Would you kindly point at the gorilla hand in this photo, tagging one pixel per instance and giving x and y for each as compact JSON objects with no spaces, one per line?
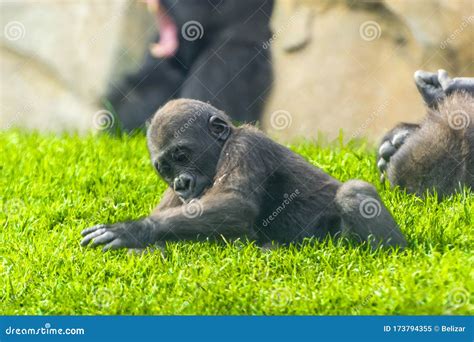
{"x":391,"y":143}
{"x":137,"y":234}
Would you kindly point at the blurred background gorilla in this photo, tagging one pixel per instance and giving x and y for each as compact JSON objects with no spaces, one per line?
{"x":211,"y":50}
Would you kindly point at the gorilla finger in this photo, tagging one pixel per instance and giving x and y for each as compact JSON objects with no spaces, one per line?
{"x":92,"y":229}
{"x":115,"y":244}
{"x":428,"y":85}
{"x":103,"y":239}
{"x":399,"y":138}
{"x":444,"y":79}
{"x":387,"y":150}
{"x":92,"y":235}
{"x":423,"y":78}
{"x":465,"y":84}
{"x":382,"y":165}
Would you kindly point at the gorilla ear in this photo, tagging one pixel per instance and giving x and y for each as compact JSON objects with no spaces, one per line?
{"x":219,"y":128}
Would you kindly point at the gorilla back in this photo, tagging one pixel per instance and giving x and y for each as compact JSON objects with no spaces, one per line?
{"x":234,"y":181}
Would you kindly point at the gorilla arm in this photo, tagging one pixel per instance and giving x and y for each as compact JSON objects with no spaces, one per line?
{"x":225,"y":214}
{"x":222,"y":211}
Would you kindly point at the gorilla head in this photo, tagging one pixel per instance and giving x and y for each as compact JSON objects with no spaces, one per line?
{"x":185,"y":140}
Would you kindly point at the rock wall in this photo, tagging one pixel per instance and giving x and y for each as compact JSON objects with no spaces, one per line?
{"x":57,"y":59}
{"x":338,"y":64}
{"x":353,"y":68}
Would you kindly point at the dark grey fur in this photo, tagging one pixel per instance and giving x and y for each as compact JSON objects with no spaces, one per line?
{"x":241,"y":183}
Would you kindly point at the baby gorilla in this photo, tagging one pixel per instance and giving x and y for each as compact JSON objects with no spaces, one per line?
{"x":232,"y":182}
{"x":436,"y":154}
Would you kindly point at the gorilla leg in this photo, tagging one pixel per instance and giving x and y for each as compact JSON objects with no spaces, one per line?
{"x":142,"y":93}
{"x":365,"y":216}
{"x":232,"y":77}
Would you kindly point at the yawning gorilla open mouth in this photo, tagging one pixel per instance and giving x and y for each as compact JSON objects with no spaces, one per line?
{"x":169,"y":42}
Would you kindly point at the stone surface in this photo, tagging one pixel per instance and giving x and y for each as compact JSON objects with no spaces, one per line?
{"x":57,"y":59}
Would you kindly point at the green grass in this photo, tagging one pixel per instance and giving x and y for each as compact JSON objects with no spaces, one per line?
{"x":53,"y":187}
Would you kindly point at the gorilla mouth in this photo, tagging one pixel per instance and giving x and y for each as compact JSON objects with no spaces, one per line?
{"x":188,"y":187}
{"x":168,"y":44}
{"x":188,"y":196}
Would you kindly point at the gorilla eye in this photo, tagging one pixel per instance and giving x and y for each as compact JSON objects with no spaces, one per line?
{"x":163,"y":168}
{"x":179,"y":156}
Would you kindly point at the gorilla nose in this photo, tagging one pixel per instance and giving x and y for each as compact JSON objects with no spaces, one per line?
{"x":184,"y":185}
